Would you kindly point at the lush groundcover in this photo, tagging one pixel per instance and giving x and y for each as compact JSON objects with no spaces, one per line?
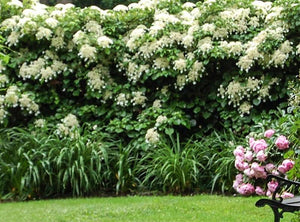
{"x":150,"y":97}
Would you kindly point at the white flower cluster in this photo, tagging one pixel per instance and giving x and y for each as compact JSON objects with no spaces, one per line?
{"x":152,"y":136}
{"x":240,"y":93}
{"x":69,"y":127}
{"x":15,"y":3}
{"x":3,"y":80}
{"x":40,"y":123}
{"x":96,"y":78}
{"x":14,"y":98}
{"x":138,"y":99}
{"x":160,"y":120}
{"x":122,"y":99}
{"x":28,"y":104}
{"x":41,"y":69}
{"x":87,"y":52}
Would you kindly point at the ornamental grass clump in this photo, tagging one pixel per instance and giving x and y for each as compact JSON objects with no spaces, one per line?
{"x":260,"y":158}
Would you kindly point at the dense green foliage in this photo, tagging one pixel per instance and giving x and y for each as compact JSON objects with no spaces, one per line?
{"x":147,"y":97}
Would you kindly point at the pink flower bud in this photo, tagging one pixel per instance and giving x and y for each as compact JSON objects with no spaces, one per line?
{"x":272,"y":185}
{"x":246,"y":189}
{"x":259,"y":145}
{"x":259,"y":191}
{"x":239,"y":151}
{"x":248,"y":156}
{"x":282,"y":143}
{"x":269,"y":133}
{"x":261,"y":156}
{"x":270,"y":167}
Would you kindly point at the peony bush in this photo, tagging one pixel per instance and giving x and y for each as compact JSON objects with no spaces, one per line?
{"x":259,"y":158}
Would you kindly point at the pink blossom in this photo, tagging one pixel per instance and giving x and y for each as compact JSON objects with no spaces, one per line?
{"x":259,"y":171}
{"x":248,"y":156}
{"x":286,"y":195}
{"x":282,"y":143}
{"x":261,"y":156}
{"x":239,"y":178}
{"x":259,"y":191}
{"x":238,"y":181}
{"x":269,"y":133}
{"x":259,"y":145}
{"x":270,"y":167}
{"x":246,"y":189}
{"x":272,"y":185}
{"x":275,"y":173}
{"x":239,"y":151}
{"x":249,"y":173}
{"x":286,"y":166}
{"x":289,"y":164}
{"x":240,"y":165}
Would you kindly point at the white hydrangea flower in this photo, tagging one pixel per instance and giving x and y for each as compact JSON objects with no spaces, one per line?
{"x":157,"y":104}
{"x":11,"y":97}
{"x":70,"y":121}
{"x":58,"y":42}
{"x":51,"y":22}
{"x":207,"y":27}
{"x":160,"y":120}
{"x":152,"y":136}
{"x":87,"y":52}
{"x":161,"y":63}
{"x":138,"y":98}
{"x":15,"y":3}
{"x":43,"y":33}
{"x":245,"y":63}
{"x":180,"y":82}
{"x":120,"y":8}
{"x":180,"y":64}
{"x":3,"y":80}
{"x":122,"y":100}
{"x":13,"y":38}
{"x":78,"y":37}
{"x":10,"y":23}
{"x":104,"y":41}
{"x":40,"y":123}
{"x":245,"y":108}
{"x":188,"y":5}
{"x":94,"y":27}
{"x":204,"y":45}
{"x":47,"y":73}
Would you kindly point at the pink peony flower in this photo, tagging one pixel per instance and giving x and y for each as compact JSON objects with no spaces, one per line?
{"x":286,"y":166}
{"x":240,"y":165}
{"x":259,"y":171}
{"x":269,"y":133}
{"x":282,"y":143}
{"x":270,"y":167}
{"x":248,"y":156}
{"x":249,"y":173}
{"x":286,"y":195}
{"x":275,"y":172}
{"x":239,"y":151}
{"x":289,"y":164}
{"x":259,"y":145}
{"x":272,"y":185}
{"x":238,"y":181}
{"x":259,"y":191}
{"x":261,"y":156}
{"x":246,"y":189}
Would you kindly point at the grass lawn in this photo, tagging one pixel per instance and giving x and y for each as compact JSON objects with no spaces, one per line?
{"x":151,"y":208}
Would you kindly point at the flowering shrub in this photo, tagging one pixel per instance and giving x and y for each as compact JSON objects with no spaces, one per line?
{"x":259,"y":158}
{"x":204,"y":64}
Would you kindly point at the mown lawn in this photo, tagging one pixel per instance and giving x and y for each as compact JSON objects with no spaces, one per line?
{"x":135,"y":208}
